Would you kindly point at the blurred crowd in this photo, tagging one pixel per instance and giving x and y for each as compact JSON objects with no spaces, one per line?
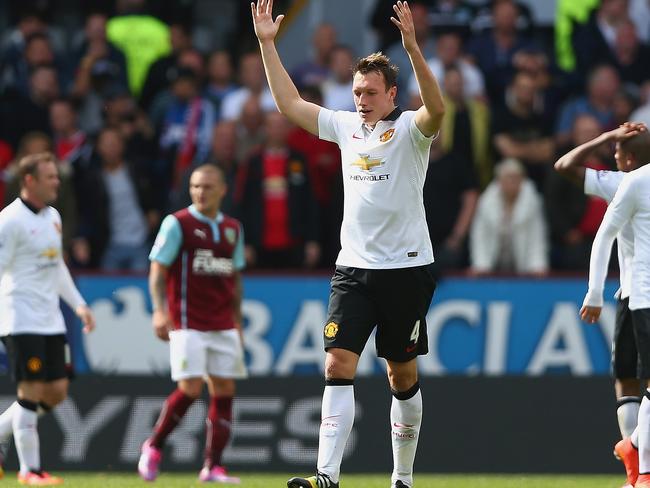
{"x":130,"y":104}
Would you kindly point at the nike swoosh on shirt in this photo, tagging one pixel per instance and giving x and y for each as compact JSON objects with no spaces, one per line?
{"x":354,"y":136}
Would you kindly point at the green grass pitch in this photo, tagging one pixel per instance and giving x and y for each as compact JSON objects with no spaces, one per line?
{"x":184,"y":480}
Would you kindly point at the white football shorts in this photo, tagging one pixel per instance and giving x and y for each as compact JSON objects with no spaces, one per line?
{"x":195,"y":353}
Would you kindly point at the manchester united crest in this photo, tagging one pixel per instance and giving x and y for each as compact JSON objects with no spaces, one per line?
{"x":386,"y":136}
{"x":331,"y":329}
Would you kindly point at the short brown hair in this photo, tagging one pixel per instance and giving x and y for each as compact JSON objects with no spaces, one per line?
{"x":29,"y":164}
{"x":379,"y":63}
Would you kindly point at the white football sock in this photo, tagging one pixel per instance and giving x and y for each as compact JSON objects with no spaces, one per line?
{"x":6,"y":420}
{"x":25,"y":423}
{"x":337,"y":417}
{"x":405,"y":420}
{"x":644,"y":435}
{"x":628,"y":414}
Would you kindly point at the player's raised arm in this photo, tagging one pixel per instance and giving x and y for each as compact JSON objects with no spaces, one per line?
{"x":428,"y":118}
{"x":285,"y":93}
{"x":571,"y":164}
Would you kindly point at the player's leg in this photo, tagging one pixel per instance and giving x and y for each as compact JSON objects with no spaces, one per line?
{"x":401,"y":337}
{"x":187,"y":357}
{"x":624,"y":366}
{"x":405,"y":419}
{"x":225,"y":364}
{"x":641,"y":321}
{"x":352,"y":316}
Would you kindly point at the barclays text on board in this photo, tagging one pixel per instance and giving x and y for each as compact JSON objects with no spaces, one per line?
{"x":486,"y":326}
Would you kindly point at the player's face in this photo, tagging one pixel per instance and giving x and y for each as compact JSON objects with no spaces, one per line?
{"x":624,"y":160}
{"x":45,"y":184}
{"x":207,"y":190}
{"x":371,"y":98}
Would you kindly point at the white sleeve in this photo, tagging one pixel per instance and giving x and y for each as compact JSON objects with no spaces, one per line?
{"x":418,"y":138}
{"x":602,"y":184}
{"x":328,"y":125}
{"x":619,"y":212}
{"x":67,"y":289}
{"x":8,"y":243}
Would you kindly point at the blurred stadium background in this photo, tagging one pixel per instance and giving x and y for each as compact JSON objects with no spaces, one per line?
{"x":513,"y":381}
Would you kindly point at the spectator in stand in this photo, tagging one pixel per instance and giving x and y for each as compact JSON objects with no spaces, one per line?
{"x":118,"y":215}
{"x":37,"y":52}
{"x":159,"y":74}
{"x":466,"y":127}
{"x":451,"y":15}
{"x":573,"y":216}
{"x":324,"y":160}
{"x":316,"y":70}
{"x":276,"y":204}
{"x":23,"y":114}
{"x":508,"y":234}
{"x":189,"y":59}
{"x":642,"y":112}
{"x":493,"y":51}
{"x":522,"y":130}
{"x":625,"y":101}
{"x":69,"y":140}
{"x":253,"y":81}
{"x":250,"y":128}
{"x":122,"y":112}
{"x":398,"y":55}
{"x":220,"y":80}
{"x":603,"y":84}
{"x":13,"y":49}
{"x":594,"y":42}
{"x":141,"y":37}
{"x":451,"y":192}
{"x":449,"y":50}
{"x":224,"y":155}
{"x":630,"y":55}
{"x":338,"y":86}
{"x":484,"y":17}
{"x":186,"y":133}
{"x":639,"y":13}
{"x":93,"y":47}
{"x":551,"y":84}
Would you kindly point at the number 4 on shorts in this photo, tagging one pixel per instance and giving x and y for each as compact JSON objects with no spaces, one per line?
{"x":415,"y":333}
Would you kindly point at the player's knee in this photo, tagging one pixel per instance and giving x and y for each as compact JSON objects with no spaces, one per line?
{"x":340,"y":364}
{"x":191,"y":388}
{"x":401,"y":380}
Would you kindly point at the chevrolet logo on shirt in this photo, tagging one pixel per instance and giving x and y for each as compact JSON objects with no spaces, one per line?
{"x":50,"y":253}
{"x":366,"y":164}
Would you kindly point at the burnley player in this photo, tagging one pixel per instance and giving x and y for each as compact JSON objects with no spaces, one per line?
{"x":196,"y":292}
{"x":382,"y":278}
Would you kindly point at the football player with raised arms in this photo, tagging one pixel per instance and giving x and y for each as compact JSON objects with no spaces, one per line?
{"x":382,"y":276}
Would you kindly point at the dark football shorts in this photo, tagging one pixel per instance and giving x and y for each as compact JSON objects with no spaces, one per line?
{"x":639,"y":366}
{"x":36,"y":357}
{"x":396,"y":301}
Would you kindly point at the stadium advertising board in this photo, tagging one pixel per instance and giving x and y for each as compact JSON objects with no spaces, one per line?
{"x":471,"y":424}
{"x":476,"y":327}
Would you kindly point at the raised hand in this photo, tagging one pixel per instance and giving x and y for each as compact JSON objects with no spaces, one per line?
{"x":405,"y":25}
{"x":265,"y":28}
{"x":626,"y":131}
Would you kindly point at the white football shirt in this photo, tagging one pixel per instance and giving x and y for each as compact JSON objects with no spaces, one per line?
{"x":384,"y":223}
{"x":604,"y":184}
{"x":33,"y":272}
{"x":631,"y":204}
